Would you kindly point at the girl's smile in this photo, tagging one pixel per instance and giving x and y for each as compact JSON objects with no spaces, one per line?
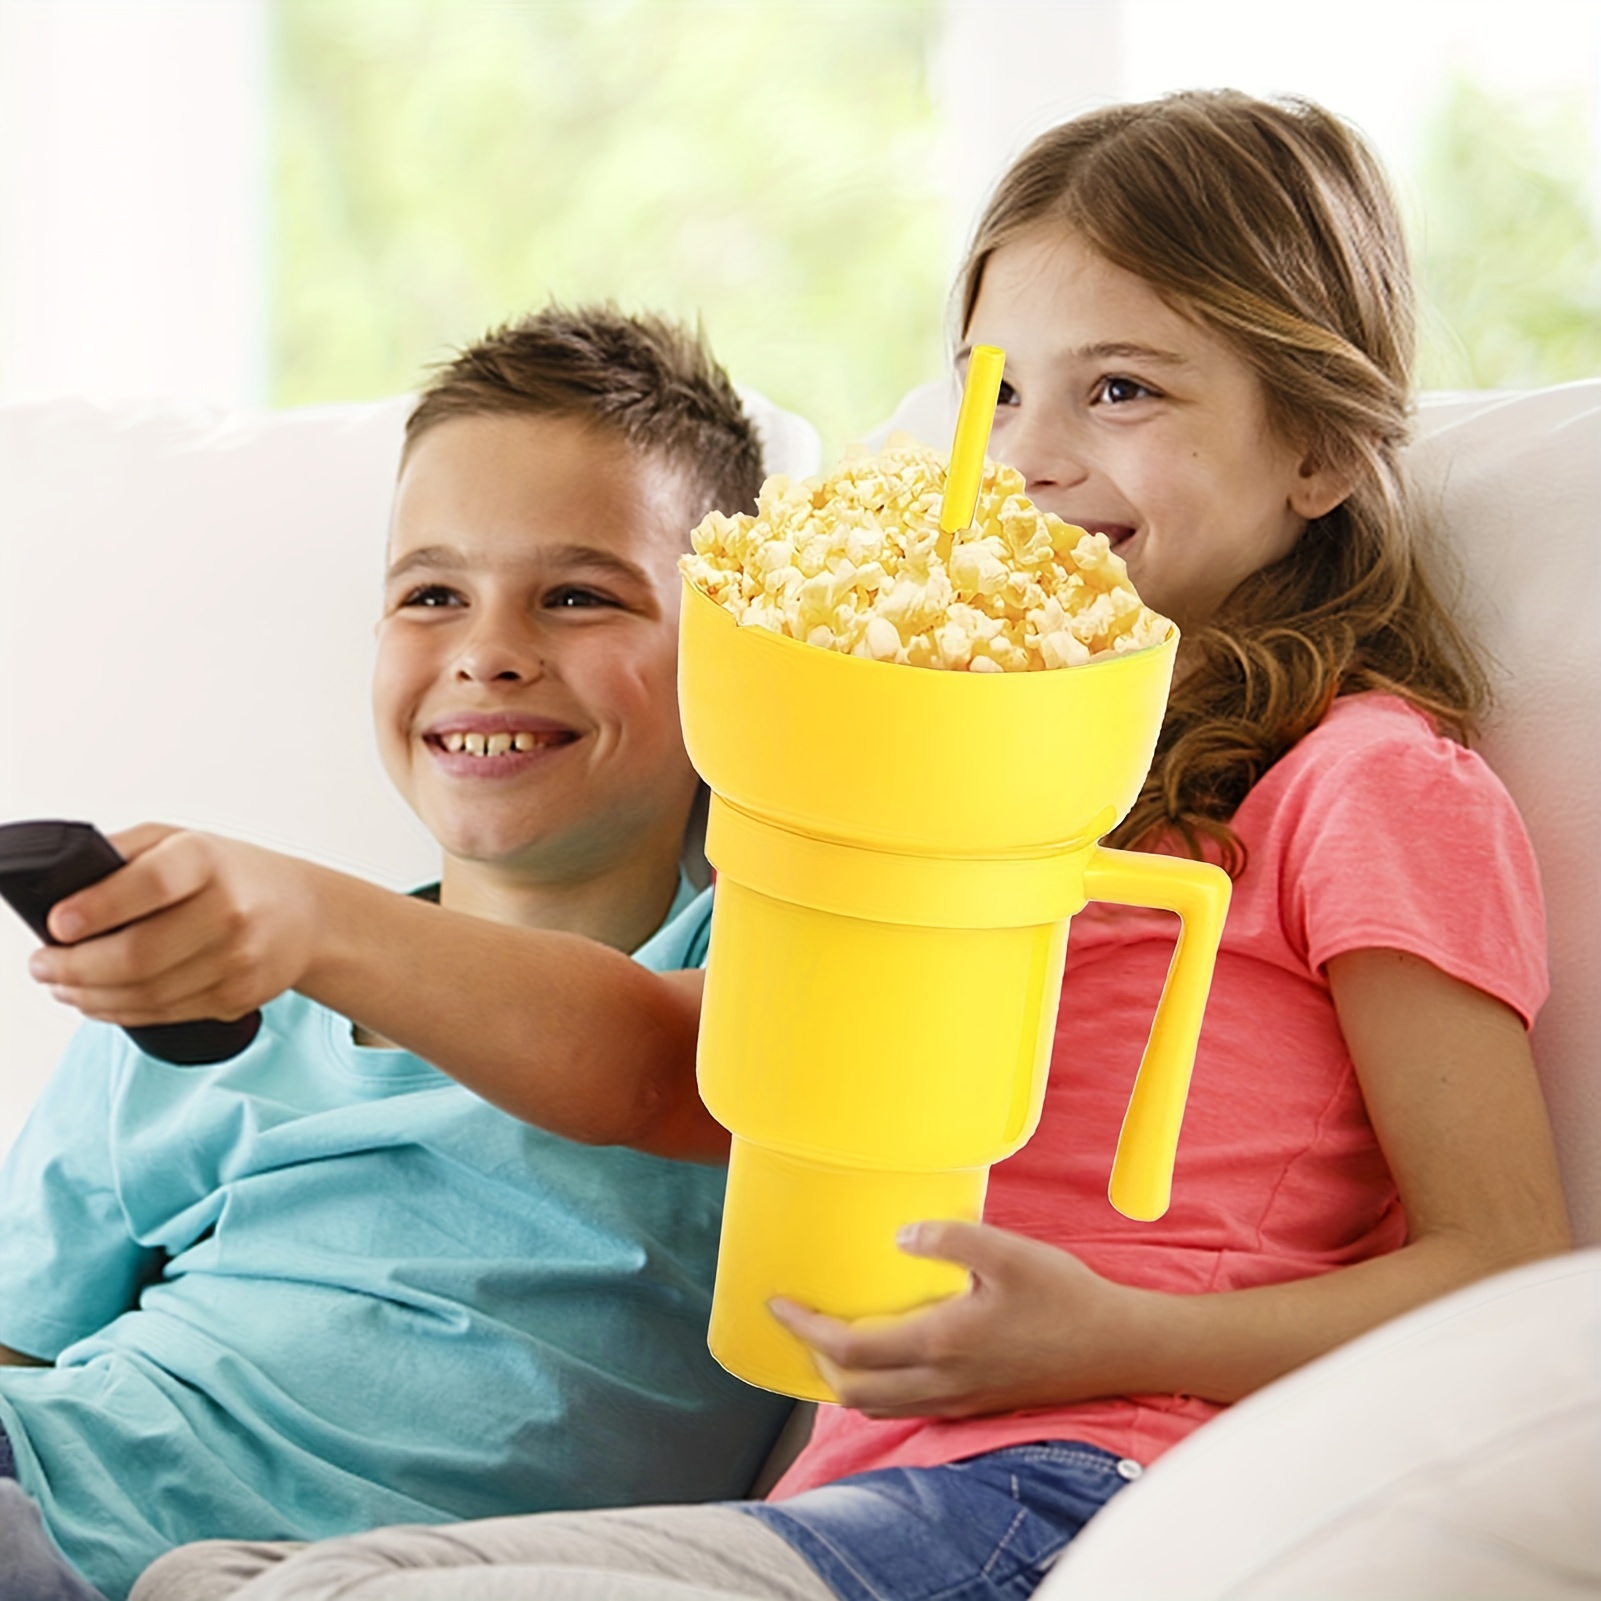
{"x":1127,"y":418}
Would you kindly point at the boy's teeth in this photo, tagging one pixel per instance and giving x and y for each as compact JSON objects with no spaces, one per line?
{"x":477,"y":744}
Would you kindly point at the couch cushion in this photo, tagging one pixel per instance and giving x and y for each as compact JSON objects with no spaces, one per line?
{"x":1512,"y":485}
{"x":1454,"y":1452}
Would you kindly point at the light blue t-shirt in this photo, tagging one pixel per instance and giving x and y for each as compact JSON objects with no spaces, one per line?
{"x":321,"y":1287}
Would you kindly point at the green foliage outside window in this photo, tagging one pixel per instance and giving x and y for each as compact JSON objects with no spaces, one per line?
{"x":769,"y":167}
{"x":764,"y":165}
{"x":1509,"y":243}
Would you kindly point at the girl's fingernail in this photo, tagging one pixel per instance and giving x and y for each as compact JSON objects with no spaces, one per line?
{"x":66,"y":926}
{"x":907,"y":1236}
{"x":39,"y":967}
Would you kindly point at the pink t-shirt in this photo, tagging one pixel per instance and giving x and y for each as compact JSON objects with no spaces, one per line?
{"x":1373,"y":832}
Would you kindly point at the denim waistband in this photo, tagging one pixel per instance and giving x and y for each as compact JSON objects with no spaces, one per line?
{"x":986,"y":1528}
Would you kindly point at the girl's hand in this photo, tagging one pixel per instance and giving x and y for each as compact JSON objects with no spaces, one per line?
{"x":1035,"y":1328}
{"x":193,"y":926}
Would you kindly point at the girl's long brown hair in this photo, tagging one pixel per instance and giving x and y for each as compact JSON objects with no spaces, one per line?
{"x":1271,"y":223}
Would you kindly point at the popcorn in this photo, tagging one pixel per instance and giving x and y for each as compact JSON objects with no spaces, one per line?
{"x":856,"y":562}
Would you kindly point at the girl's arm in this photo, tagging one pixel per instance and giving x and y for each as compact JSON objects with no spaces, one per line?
{"x":1451,"y":1090}
{"x":555,"y":1028}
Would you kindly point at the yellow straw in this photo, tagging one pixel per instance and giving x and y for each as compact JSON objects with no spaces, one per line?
{"x":973,"y":421}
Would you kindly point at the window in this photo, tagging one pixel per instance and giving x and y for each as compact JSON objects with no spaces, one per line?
{"x":292,"y":201}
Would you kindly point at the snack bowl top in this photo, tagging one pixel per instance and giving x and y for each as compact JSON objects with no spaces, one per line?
{"x":912,"y":759}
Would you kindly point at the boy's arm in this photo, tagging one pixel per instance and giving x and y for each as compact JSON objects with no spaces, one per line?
{"x":1451,"y":1090}
{"x":557,"y":1029}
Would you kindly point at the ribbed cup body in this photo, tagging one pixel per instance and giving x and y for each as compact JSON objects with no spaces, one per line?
{"x":898,"y":853}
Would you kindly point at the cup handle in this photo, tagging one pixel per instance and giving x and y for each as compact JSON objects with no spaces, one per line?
{"x":1142,"y":1171}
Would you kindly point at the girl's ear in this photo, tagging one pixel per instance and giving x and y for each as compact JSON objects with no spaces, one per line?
{"x":1319,"y":487}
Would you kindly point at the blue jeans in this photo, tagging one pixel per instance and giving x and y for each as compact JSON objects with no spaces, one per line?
{"x":984,"y":1529}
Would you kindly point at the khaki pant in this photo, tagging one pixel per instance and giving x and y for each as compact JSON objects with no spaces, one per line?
{"x":673,"y":1553}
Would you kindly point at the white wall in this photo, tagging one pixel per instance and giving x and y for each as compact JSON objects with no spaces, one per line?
{"x":134,"y":142}
{"x":1381,"y":63}
{"x":1007,"y":70}
{"x":132,"y":198}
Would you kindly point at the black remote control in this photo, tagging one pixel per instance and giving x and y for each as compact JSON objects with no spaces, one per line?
{"x":44,"y":862}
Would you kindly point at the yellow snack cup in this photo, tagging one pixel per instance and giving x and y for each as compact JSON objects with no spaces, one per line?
{"x":898,"y":852}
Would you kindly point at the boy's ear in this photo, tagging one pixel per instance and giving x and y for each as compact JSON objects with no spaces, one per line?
{"x":1319,"y":487}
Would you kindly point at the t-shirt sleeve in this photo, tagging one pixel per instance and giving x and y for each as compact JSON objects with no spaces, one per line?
{"x":1410,"y":842}
{"x":69,"y":1262}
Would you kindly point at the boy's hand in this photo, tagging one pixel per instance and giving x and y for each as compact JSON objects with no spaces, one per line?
{"x":193,"y":926}
{"x":1035,"y":1328}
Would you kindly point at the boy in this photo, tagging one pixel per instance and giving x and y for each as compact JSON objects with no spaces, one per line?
{"x":323,"y":1286}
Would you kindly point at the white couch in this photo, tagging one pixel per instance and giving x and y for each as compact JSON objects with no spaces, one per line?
{"x":1451,"y":1454}
{"x":185,"y":609}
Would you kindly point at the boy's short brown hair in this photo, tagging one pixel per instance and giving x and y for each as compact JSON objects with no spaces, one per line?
{"x":645,"y":379}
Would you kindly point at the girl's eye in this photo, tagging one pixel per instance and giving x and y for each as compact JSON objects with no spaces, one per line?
{"x":1115,"y":391}
{"x":1006,"y":396}
{"x":431,"y":595}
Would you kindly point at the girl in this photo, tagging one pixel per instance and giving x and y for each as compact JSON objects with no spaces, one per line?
{"x":1207,"y":317}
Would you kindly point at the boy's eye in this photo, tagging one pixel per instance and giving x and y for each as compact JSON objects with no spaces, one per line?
{"x":1006,"y":395}
{"x":1115,"y":391}
{"x":576,"y":597}
{"x":431,"y":595}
